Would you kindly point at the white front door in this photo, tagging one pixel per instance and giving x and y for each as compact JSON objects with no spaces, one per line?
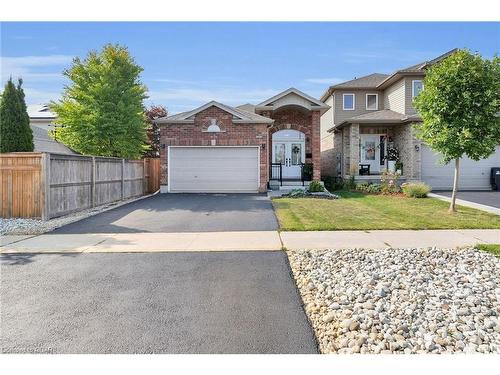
{"x":290,"y":155}
{"x":370,"y":151}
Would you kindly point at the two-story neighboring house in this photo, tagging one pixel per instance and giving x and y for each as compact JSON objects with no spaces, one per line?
{"x":372,"y":115}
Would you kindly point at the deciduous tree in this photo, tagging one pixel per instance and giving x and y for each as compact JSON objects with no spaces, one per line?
{"x":101,"y":112}
{"x":459,"y":106}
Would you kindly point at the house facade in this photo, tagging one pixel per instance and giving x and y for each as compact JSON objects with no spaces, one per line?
{"x":219,"y":148}
{"x":370,"y":123}
{"x":41,"y":123}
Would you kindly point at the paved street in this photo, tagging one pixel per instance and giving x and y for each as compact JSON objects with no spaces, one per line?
{"x":218,"y":302}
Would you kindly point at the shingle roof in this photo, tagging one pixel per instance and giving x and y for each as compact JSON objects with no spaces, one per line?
{"x":241,"y":115}
{"x":382,"y":116}
{"x":369,"y":81}
{"x":418,"y":68}
{"x":40,"y":111}
{"x":43,"y":142}
{"x":247,"y":107}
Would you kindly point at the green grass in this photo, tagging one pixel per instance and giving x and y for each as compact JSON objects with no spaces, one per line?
{"x":358,"y":211}
{"x":493,"y":249}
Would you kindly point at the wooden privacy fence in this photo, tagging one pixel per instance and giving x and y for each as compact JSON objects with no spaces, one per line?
{"x":43,"y":185}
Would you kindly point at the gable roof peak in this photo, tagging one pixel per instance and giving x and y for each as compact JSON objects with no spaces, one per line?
{"x":239,"y":115}
{"x":313,"y":102}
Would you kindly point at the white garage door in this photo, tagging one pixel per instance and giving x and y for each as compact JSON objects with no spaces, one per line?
{"x":474,"y":175}
{"x":213,"y":169}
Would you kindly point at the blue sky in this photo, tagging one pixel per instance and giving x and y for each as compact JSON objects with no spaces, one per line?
{"x":188,"y":64}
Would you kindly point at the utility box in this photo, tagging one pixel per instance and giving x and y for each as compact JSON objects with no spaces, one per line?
{"x":495,"y":178}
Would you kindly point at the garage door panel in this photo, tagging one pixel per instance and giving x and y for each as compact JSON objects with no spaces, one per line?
{"x":474,"y":175}
{"x":214,"y":169}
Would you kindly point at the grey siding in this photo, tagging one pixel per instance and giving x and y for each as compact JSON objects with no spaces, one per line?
{"x":409,"y":109}
{"x":394,"y":97}
{"x":360,"y":104}
{"x":327,"y":155}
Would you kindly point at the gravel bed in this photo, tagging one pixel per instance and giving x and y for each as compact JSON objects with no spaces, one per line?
{"x":19,"y":226}
{"x":401,"y":300}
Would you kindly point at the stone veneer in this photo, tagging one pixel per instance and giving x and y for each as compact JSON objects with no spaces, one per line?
{"x":403,"y":137}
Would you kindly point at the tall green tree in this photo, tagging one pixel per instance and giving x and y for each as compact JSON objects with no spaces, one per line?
{"x":101,"y":112}
{"x":459,"y":107}
{"x":15,"y":131}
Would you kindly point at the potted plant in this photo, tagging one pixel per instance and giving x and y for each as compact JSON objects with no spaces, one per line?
{"x":392,"y":157}
{"x":399,"y":167}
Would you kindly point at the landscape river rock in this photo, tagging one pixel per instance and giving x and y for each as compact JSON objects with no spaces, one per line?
{"x":401,"y":300}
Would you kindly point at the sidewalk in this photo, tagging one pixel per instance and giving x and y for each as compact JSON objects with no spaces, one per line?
{"x":244,"y":241}
{"x":380,"y":239}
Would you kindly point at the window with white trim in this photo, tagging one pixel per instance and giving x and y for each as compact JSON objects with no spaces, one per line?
{"x":348,"y":102}
{"x":417,"y":85}
{"x":371,"y":102}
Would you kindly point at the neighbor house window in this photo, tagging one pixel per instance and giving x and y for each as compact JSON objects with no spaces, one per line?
{"x":417,"y":87}
{"x":349,"y":102}
{"x":371,"y":102}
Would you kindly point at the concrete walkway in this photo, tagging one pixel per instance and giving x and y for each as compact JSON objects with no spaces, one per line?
{"x":142,"y":242}
{"x":244,"y":241}
{"x":380,"y":239}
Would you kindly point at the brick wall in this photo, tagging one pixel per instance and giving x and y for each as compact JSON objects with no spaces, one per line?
{"x":307,"y":123}
{"x":231,"y":135}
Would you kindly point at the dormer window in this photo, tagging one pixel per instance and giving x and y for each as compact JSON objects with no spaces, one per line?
{"x":371,"y":102}
{"x":213,"y":127}
{"x":348,"y":102}
{"x":417,"y":85}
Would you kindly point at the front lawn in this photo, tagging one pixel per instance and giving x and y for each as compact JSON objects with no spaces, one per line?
{"x":358,"y":211}
{"x":490,"y":248}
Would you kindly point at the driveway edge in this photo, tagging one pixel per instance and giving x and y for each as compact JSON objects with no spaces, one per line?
{"x":461,"y":202}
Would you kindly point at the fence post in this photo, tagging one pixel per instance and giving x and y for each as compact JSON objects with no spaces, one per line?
{"x":92,"y":188}
{"x":123,"y":180}
{"x":45,"y":178}
{"x":144,"y":182}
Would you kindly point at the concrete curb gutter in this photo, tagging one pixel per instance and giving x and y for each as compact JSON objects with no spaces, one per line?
{"x":461,"y":202}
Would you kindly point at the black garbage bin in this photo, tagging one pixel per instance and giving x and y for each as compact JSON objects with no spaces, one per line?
{"x":495,"y":178}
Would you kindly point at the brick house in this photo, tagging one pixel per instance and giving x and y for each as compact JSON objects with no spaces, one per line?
{"x":219,"y":148}
{"x":372,"y":115}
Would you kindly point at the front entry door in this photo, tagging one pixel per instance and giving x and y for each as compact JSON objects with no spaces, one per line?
{"x":291,"y":156}
{"x":370,"y":151}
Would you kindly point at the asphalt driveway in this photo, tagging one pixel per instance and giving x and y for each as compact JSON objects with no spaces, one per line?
{"x":488,"y":198}
{"x":170,"y":213}
{"x":227,"y":302}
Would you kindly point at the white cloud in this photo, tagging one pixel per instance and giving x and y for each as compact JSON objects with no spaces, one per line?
{"x":28,"y":67}
{"x":325,"y":81}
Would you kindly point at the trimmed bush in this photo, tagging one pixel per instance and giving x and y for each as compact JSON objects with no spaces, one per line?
{"x":315,"y":187}
{"x":415,"y":189}
{"x":333,"y":183}
{"x":350,"y":184}
{"x":369,"y":188}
